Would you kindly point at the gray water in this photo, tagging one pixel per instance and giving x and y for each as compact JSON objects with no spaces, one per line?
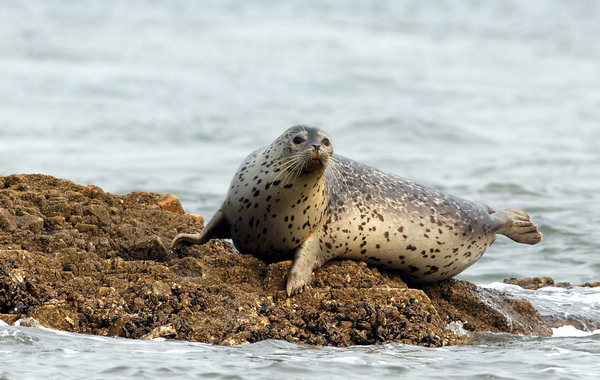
{"x":57,"y":355}
{"x":497,"y":102}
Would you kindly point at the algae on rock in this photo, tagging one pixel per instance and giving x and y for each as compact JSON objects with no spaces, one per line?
{"x":82,"y":260}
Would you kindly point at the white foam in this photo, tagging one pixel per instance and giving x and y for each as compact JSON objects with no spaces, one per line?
{"x":501,"y":286}
{"x":457,"y":327}
{"x":570,"y":331}
{"x":2,"y":323}
{"x":583,"y":296}
{"x":28,"y":322}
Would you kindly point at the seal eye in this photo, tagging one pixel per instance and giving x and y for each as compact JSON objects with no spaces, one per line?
{"x":298,"y":140}
{"x":326,"y":142}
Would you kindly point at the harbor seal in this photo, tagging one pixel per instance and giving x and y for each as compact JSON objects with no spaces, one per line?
{"x":295,"y":199}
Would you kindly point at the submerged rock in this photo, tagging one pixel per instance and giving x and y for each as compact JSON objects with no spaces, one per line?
{"x":79,"y":259}
{"x":534,"y":283}
{"x":581,"y":316}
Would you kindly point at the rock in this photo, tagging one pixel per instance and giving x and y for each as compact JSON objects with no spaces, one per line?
{"x":167,"y":331}
{"x":579,"y":321}
{"x":9,"y":319}
{"x":7,"y":220}
{"x":591,"y":284}
{"x":535,"y":283}
{"x":531,"y":283}
{"x":79,"y":259}
{"x":485,"y":309}
{"x":57,"y":314}
{"x":30,"y":222}
{"x":171,"y":203}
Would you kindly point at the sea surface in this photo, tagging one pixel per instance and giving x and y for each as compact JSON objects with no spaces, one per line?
{"x":497,"y":102}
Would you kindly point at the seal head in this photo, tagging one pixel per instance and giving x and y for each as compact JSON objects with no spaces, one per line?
{"x":303,"y":149}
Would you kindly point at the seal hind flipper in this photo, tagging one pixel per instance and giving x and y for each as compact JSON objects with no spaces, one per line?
{"x":217,"y":228}
{"x":308,"y":257}
{"x":517,"y":225}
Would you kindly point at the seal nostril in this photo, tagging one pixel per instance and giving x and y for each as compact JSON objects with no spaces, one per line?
{"x":316,"y":146}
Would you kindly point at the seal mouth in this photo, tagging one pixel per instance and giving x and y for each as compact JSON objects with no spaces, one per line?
{"x":313,"y":164}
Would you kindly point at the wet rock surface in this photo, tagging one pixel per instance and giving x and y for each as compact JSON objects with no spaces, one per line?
{"x":78,"y":259}
{"x":485,"y":309}
{"x":534,"y":283}
{"x":575,"y":314}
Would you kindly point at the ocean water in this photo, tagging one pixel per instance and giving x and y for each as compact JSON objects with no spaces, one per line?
{"x":29,"y":353}
{"x":497,"y":102}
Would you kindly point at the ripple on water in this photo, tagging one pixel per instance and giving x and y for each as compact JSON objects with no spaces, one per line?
{"x":509,"y":188}
{"x":15,"y":337}
{"x":500,"y":355}
{"x":441,"y":93}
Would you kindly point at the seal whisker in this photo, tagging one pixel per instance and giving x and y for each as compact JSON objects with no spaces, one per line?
{"x":334,"y":166}
{"x":295,"y":172}
{"x":289,"y":162}
{"x":288,"y":168}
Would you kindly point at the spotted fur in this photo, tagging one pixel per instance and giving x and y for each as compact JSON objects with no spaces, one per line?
{"x":293,"y":199}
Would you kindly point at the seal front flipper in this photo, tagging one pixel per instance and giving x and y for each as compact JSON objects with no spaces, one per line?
{"x":308,"y":257}
{"x":217,"y":228}
{"x":517,"y":225}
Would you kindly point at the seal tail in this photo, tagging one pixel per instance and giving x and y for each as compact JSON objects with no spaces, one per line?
{"x":517,"y":225}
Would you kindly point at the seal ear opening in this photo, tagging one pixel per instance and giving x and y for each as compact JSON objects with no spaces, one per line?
{"x":517,"y":225}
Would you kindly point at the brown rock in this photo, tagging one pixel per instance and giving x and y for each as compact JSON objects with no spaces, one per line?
{"x":171,"y":203}
{"x":97,"y":263}
{"x":167,"y":331}
{"x":531,"y":283}
{"x":485,"y":309}
{"x":56,"y":314}
{"x":9,"y":318}
{"x":591,"y":284}
{"x":30,"y":222}
{"x":83,"y":227}
{"x":7,"y":220}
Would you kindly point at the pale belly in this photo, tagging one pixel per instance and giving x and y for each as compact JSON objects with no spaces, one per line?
{"x":425,"y":247}
{"x":271,"y":220}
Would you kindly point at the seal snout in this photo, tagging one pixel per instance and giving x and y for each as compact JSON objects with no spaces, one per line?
{"x":316,"y":159}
